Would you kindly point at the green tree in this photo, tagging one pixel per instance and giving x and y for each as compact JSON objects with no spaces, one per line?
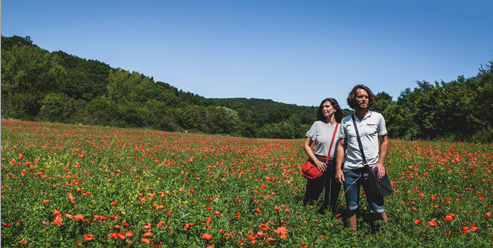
{"x":124,"y":87}
{"x":102,"y":112}
{"x":53,"y":108}
{"x":399,"y":116}
{"x":382,"y":101}
{"x":224,"y":120}
{"x":9,"y":42}
{"x":28,"y":73}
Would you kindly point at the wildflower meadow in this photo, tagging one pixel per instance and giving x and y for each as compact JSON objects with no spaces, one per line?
{"x":68,"y":185}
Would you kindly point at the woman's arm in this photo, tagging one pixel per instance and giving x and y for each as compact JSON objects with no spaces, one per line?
{"x":308,"y":150}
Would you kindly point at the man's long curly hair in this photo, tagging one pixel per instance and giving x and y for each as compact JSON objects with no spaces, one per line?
{"x":351,"y":99}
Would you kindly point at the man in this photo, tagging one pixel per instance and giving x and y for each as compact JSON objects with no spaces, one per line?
{"x":373,"y":135}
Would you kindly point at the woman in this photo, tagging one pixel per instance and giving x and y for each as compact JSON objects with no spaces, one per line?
{"x":329,"y":115}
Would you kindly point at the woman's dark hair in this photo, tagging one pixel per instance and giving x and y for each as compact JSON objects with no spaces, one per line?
{"x":351,"y":99}
{"x":333,"y":102}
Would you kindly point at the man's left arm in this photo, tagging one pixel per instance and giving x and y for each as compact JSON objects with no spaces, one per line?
{"x":383,"y":147}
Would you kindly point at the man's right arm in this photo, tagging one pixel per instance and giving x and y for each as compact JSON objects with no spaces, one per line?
{"x":340,"y":158}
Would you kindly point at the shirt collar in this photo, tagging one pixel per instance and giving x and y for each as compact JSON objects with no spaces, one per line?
{"x":368,"y":115}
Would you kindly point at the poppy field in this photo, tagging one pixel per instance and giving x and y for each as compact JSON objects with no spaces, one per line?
{"x":68,"y":185}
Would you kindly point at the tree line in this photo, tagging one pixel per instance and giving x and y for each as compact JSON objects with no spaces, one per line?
{"x":457,"y":110}
{"x":57,"y":87}
{"x":38,"y":85}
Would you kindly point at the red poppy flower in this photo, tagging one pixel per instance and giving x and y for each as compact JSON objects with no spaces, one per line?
{"x":207,"y":237}
{"x":264,"y":227}
{"x":147,"y":225}
{"x":113,"y":236}
{"x":71,"y":197}
{"x":88,"y":237}
{"x":121,"y":235}
{"x":464,"y":229}
{"x":473,"y":227}
{"x":158,"y":206}
{"x":432,"y":224}
{"x":79,"y":217}
{"x":281,"y":230}
{"x":125,"y":224}
{"x":58,"y":221}
{"x":251,"y":238}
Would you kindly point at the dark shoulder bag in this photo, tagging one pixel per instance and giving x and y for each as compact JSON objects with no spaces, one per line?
{"x":380,"y":186}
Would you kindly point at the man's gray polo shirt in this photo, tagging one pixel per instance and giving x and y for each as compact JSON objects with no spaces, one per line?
{"x":372,"y":126}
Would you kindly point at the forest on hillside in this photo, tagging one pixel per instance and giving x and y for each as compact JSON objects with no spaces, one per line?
{"x":57,"y":87}
{"x":38,"y":85}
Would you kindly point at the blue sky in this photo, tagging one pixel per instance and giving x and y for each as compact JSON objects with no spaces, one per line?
{"x":297,"y":52}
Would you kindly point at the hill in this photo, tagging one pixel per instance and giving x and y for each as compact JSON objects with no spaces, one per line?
{"x":58,"y":87}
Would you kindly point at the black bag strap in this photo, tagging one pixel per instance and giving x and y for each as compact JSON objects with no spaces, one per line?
{"x":359,"y":142}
